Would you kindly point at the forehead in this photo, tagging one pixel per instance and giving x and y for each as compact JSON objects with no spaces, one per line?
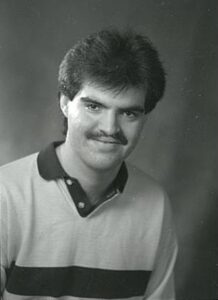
{"x":126,"y":97}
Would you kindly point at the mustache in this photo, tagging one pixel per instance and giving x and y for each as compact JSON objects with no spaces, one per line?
{"x":118,"y":137}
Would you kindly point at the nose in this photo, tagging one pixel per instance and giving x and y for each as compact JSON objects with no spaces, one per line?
{"x":109,"y":123}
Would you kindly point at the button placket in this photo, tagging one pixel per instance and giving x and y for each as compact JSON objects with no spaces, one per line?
{"x":77,"y":196}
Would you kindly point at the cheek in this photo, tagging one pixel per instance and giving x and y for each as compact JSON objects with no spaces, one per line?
{"x":75,"y":129}
{"x":75,"y":119}
{"x":80,"y":125}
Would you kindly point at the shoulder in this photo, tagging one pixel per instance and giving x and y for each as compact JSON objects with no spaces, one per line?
{"x":143,"y":183}
{"x":147,"y":200}
{"x":18,"y":170}
{"x":145,"y":193}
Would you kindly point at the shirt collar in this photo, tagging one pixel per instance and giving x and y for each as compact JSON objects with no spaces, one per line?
{"x":50,"y":168}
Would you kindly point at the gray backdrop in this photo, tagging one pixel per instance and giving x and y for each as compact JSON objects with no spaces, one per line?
{"x":179,"y":143}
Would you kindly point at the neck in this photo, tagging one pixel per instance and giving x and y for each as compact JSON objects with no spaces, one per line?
{"x":94,"y":182}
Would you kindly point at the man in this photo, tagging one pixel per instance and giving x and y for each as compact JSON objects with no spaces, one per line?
{"x":78,"y":221}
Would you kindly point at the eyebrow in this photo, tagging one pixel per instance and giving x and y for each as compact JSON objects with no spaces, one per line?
{"x":87,"y":99}
{"x":135,"y":108}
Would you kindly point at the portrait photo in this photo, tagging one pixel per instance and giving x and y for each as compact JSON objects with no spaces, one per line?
{"x":108,"y":149}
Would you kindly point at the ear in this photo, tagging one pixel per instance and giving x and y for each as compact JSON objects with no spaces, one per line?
{"x":64,"y":102}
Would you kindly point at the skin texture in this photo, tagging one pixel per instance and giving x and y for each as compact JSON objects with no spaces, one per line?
{"x":103,"y":129}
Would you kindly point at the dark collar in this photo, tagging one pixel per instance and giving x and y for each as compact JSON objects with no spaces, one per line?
{"x":51,"y":169}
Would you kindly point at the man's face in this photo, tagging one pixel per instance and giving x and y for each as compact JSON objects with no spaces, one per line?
{"x":103,"y":126}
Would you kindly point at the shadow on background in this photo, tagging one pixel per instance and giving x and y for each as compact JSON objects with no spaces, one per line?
{"x":195,"y":171}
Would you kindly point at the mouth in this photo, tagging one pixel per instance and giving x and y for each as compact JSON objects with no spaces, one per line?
{"x":107,"y":141}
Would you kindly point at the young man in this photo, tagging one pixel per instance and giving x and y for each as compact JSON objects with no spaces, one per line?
{"x":78,"y":221}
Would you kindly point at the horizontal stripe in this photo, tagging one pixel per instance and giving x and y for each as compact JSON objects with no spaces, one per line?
{"x":77,"y":281}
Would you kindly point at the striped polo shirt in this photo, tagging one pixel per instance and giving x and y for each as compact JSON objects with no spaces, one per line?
{"x":56,"y":244}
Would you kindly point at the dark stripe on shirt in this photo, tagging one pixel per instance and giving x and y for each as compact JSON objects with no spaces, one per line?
{"x":77,"y":281}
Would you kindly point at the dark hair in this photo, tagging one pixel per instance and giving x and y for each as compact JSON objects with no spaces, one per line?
{"x":115,"y":60}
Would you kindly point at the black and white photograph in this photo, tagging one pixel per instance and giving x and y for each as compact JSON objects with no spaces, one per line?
{"x":108,"y":149}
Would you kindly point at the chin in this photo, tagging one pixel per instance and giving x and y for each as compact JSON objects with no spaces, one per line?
{"x":104,"y":164}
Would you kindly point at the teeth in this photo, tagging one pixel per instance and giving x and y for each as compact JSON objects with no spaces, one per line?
{"x":107,"y":141}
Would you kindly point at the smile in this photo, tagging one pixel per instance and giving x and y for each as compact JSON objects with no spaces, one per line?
{"x":107,"y":141}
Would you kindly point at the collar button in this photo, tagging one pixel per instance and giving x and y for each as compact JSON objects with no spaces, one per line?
{"x":69,"y":181}
{"x":81,"y":204}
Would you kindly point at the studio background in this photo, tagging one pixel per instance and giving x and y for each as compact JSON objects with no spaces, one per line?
{"x":179,"y":142}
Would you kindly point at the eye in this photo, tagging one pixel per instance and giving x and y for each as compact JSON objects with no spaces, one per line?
{"x":130,"y":114}
{"x":92,"y":106}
